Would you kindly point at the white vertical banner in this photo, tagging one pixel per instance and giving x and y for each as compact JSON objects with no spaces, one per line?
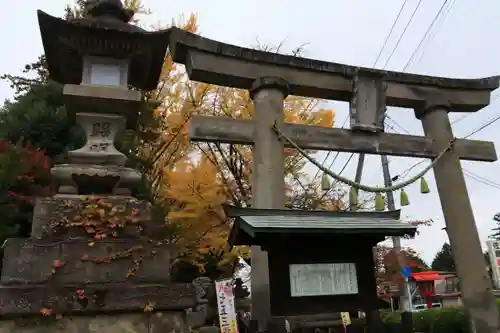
{"x":225,"y":304}
{"x":494,"y":256}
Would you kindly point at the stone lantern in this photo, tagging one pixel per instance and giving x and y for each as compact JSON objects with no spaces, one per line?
{"x":96,"y":258}
{"x":104,"y":62}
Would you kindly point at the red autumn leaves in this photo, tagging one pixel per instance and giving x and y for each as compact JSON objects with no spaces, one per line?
{"x":24,"y":172}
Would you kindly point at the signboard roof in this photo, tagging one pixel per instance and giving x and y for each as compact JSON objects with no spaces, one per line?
{"x":258,"y":223}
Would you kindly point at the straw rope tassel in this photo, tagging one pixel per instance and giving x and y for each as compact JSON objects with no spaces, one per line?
{"x":379,"y":202}
{"x":404,"y":198}
{"x":325,"y":182}
{"x":424,"y":187}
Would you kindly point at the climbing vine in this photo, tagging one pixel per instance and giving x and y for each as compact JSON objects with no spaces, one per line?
{"x":100,"y":217}
{"x":95,"y":219}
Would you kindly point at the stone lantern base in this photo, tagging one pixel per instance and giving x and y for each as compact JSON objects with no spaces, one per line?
{"x":67,"y":278}
{"x":158,"y":322}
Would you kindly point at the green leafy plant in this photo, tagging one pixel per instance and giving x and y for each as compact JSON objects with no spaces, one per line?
{"x":24,"y":174}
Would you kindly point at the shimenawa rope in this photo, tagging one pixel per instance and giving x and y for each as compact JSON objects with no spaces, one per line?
{"x":366,"y":188}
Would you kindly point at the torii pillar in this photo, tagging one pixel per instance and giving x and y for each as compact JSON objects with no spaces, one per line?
{"x":475,"y":284}
{"x":268,"y":179}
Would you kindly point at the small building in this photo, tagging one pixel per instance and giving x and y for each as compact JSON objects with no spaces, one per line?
{"x":446,"y":289}
{"x":319,"y":261}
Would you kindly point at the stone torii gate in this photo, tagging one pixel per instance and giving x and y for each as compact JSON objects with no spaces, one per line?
{"x":272,"y":77}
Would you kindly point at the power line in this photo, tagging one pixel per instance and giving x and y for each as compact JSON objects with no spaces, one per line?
{"x":328,"y":154}
{"x":397,"y":124}
{"x":480,"y":128}
{"x":387,"y":61}
{"x":376,"y":60}
{"x":425,"y":34}
{"x":347,"y":117}
{"x":342,"y":170}
{"x":445,"y":13}
{"x":394,"y":49}
{"x":470,"y":114}
{"x":403,"y":33}
{"x":390,"y":32}
{"x":480,"y":179}
{"x":485,"y":125}
{"x":460,"y":119}
{"x":488,"y":123}
{"x":466,"y":172}
{"x":429,"y":29}
{"x":433,"y":32}
{"x":396,"y":46}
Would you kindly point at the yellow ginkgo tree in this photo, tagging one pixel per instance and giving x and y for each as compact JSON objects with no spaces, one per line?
{"x":194,"y":180}
{"x":191,"y":182}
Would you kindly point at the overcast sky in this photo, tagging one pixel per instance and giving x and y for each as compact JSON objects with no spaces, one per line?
{"x":462,"y":43}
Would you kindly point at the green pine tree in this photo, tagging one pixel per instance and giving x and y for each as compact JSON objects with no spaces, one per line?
{"x":495,"y":232}
{"x":443,"y":261}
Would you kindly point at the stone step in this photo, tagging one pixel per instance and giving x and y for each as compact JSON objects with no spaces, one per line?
{"x":94,"y":298}
{"x":80,"y":261}
{"x":75,"y":216}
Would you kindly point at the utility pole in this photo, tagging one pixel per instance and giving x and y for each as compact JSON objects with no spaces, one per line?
{"x":404,"y":300}
{"x":396,"y":241}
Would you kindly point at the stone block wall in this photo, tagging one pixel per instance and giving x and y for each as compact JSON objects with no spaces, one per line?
{"x":82,"y":272}
{"x":159,"y":322}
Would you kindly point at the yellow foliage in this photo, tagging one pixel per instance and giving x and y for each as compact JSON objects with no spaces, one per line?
{"x":197,"y":179}
{"x":79,"y":9}
{"x":325,"y":118}
{"x":195,"y":187}
{"x":241,"y":251}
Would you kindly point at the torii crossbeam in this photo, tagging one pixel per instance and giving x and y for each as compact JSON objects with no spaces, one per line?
{"x":236,"y":131}
{"x":271,"y":77}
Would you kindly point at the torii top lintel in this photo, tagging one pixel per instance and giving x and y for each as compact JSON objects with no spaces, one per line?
{"x":218,"y":63}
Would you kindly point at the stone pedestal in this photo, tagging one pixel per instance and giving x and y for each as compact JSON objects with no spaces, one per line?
{"x":158,"y":322}
{"x":92,"y":270}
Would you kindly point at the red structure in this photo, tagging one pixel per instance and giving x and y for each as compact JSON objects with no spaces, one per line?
{"x":425,"y":283}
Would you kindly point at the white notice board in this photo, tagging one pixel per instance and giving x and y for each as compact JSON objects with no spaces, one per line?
{"x":323,"y":279}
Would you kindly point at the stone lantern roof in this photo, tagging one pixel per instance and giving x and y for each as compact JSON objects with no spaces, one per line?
{"x":104,"y":31}
{"x":113,"y":10}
